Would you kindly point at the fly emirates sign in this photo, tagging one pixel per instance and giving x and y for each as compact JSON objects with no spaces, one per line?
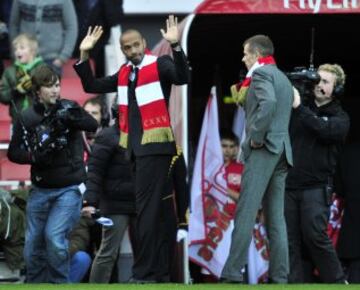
{"x":317,"y":5}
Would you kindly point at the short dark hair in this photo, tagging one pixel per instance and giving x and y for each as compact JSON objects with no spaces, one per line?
{"x":260,"y":43}
{"x":129,"y":31}
{"x":97,"y":100}
{"x":226,"y":134}
{"x":43,"y":76}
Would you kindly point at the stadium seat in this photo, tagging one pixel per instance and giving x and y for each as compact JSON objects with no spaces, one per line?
{"x":4,"y":113}
{"x":71,"y":89}
{"x":12,"y":171}
{"x":6,"y":62}
{"x":5,"y":123}
{"x":68,"y":70}
{"x":5,"y":130}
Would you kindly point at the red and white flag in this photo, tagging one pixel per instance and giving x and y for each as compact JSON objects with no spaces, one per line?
{"x":211,"y":217}
{"x":209,"y":225}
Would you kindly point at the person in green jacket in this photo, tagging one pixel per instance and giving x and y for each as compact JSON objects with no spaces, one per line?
{"x":12,"y":230}
{"x":16,"y":80}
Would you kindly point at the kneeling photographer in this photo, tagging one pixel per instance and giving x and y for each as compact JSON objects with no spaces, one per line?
{"x":47,"y":135}
{"x":318,"y":130}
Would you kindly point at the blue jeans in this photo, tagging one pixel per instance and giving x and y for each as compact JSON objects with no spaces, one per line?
{"x":79,"y":266}
{"x":50,"y":215}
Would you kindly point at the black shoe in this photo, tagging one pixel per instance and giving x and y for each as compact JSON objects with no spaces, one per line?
{"x":133,"y":280}
{"x":229,"y":281}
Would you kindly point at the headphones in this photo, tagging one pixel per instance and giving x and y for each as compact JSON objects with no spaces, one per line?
{"x":338,"y":91}
{"x":105,"y":115}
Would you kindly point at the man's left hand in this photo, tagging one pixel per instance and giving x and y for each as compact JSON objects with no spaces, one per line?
{"x":172,"y":33}
{"x":297,"y":98}
{"x":181,"y":234}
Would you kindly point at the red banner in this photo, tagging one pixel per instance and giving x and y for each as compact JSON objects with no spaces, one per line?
{"x":278,"y":7}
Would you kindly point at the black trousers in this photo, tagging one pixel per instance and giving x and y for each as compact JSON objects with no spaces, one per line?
{"x":307,"y":213}
{"x":151,"y":173}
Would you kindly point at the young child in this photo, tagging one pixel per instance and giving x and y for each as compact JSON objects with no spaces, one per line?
{"x":16,"y":80}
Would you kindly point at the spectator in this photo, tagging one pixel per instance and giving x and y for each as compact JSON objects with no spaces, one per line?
{"x":15,"y":89}
{"x":85,"y":237}
{"x":54,"y":24}
{"x":12,"y":230}
{"x":96,"y":107}
{"x":5,"y":8}
{"x":84,"y":241}
{"x":107,"y":14}
{"x":111,"y":189}
{"x":347,"y":185}
{"x":174,"y":207}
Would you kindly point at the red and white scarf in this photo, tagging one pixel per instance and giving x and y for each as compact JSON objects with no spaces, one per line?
{"x":241,"y":91}
{"x":155,"y":118}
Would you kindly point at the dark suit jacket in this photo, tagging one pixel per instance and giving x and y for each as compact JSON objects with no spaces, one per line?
{"x":170,"y":72}
{"x":268,"y":108}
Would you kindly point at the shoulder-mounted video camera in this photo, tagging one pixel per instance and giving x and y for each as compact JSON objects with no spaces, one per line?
{"x":304,"y":80}
{"x":52,"y":132}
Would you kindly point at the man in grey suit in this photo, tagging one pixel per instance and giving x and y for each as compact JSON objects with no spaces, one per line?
{"x":266,"y":154}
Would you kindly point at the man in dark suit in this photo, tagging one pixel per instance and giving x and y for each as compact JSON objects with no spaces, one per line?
{"x":143,"y":84}
{"x":267,"y":96}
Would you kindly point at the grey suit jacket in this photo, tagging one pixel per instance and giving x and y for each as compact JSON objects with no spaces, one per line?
{"x":268,"y":108}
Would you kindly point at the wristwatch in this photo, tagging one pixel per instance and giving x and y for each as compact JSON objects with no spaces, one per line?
{"x":175,"y":46}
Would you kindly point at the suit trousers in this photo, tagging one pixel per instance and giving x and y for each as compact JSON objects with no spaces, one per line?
{"x":263,"y":180}
{"x":151,"y":175}
{"x":307,"y":214}
{"x":108,"y":253}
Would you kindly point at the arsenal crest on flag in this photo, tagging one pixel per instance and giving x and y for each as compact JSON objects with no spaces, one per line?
{"x":209,"y":223}
{"x":212,"y":209}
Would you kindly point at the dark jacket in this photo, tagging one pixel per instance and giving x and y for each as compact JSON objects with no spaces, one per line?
{"x":14,"y":76}
{"x":170,"y":72}
{"x":59,"y":168}
{"x":317,"y":135}
{"x":347,"y":185}
{"x":109,"y":185}
{"x":178,"y":185}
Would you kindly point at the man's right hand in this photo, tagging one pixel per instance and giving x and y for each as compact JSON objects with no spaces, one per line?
{"x":297,"y":98}
{"x":89,"y":41}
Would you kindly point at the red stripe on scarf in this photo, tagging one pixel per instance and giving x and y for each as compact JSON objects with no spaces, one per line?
{"x":123,"y":118}
{"x":267,"y":60}
{"x":123,"y":76}
{"x":155,"y":115}
{"x":147,"y":75}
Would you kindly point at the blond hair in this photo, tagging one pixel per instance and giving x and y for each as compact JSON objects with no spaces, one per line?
{"x":31,"y":40}
{"x":335,"y":69}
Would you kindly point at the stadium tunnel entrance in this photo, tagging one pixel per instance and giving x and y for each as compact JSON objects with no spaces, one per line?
{"x":215,"y":51}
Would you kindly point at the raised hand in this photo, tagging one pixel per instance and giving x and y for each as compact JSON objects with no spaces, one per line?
{"x":91,"y":38}
{"x":172,"y":33}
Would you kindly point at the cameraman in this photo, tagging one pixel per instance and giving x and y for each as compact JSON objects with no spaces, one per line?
{"x":57,"y":175}
{"x":317,"y":130}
